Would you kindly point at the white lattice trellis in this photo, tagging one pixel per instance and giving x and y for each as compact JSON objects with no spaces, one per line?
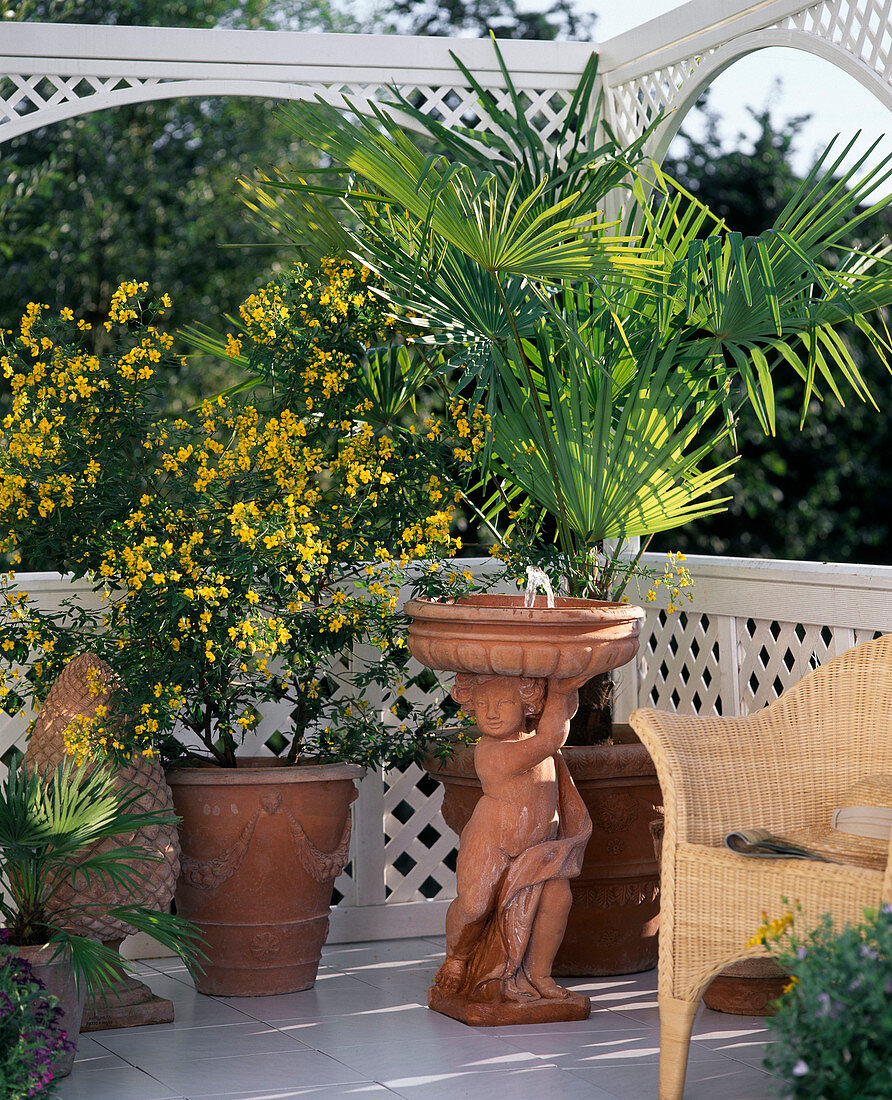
{"x":679,"y":662}
{"x":753,"y":629}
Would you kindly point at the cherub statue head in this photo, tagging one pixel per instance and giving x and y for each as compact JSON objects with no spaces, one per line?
{"x":501,"y":705}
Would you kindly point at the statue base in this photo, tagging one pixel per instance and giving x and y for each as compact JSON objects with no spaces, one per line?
{"x":576,"y":1006}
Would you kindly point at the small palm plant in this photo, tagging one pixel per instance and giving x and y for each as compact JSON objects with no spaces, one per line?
{"x":51,"y":827}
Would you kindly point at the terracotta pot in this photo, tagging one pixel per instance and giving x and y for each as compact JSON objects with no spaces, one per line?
{"x":613,"y":924}
{"x":57,"y":976}
{"x":261,"y":847}
{"x":747,"y":988}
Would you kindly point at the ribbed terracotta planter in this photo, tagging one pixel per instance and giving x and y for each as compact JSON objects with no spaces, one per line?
{"x":57,"y":976}
{"x":613,"y":924}
{"x":261,"y":847}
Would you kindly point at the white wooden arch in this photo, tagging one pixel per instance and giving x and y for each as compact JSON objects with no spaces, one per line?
{"x":663,"y":66}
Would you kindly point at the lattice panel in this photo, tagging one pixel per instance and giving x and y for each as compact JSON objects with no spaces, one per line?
{"x":679,"y":663}
{"x":419,"y":848}
{"x":774,"y":656}
{"x":27,"y":97}
{"x":860,"y":27}
{"x":402,"y":850}
{"x":545,"y":109}
{"x":12,"y":738}
{"x":638,"y":102}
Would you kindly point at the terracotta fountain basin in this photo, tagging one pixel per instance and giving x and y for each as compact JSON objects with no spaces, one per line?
{"x":498,"y":635}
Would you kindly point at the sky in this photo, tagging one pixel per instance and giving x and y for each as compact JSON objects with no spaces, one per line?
{"x":809,"y":85}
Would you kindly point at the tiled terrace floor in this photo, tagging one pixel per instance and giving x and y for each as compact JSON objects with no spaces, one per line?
{"x":365,"y":1031}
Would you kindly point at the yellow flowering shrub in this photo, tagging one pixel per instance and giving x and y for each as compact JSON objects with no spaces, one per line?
{"x":240,"y":549}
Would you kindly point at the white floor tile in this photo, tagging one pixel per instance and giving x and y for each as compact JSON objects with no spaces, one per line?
{"x":364,"y":1030}
{"x":199,"y":1078}
{"x":345,"y":998}
{"x":165,"y":1041}
{"x":362,"y":1090}
{"x":409,"y":984}
{"x":534,"y":1083}
{"x":393,"y":952}
{"x":116,"y":1083}
{"x":473,"y":1053}
{"x":92,"y":1056}
{"x":400,"y":1024}
{"x":714,"y":1079}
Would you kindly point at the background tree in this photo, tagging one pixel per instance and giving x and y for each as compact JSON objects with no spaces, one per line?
{"x":478,"y":17}
{"x":817,"y":493}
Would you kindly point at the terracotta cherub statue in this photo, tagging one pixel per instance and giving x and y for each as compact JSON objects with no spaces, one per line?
{"x":525,"y":840}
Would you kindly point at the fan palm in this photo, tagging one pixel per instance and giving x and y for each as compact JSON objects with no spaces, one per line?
{"x":611,"y":356}
{"x":50,"y":829}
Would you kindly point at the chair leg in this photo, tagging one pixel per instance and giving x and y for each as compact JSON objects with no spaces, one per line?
{"x":676,"y":1024}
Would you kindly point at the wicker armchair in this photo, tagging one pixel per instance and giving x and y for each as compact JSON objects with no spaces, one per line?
{"x":784,"y":768}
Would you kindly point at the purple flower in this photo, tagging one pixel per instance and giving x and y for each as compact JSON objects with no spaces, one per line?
{"x":824,"y":1003}
{"x":800,"y":1069}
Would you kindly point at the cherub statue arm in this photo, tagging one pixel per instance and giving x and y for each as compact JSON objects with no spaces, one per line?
{"x":561,"y":703}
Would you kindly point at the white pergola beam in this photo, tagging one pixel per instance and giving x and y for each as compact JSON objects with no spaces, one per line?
{"x":687,"y":30}
{"x":286,"y":56}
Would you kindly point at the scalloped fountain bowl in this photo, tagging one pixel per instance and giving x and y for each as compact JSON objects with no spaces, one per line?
{"x":498,"y":635}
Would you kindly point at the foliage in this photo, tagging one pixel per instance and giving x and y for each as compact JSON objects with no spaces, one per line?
{"x":148,"y":187}
{"x":30,"y":1029}
{"x":746,"y":187}
{"x":240,"y":550}
{"x":833,"y":1027}
{"x":612,"y":365}
{"x":50,"y":829}
{"x":810,"y":490}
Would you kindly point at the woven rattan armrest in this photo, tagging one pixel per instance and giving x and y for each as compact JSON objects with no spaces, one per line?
{"x":719,"y":774}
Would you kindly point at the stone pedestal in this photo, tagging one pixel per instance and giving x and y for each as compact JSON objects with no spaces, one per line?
{"x":503,"y":1013}
{"x":128,"y":1002}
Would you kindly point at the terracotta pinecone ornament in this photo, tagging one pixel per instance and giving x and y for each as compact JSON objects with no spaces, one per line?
{"x":73,"y":695}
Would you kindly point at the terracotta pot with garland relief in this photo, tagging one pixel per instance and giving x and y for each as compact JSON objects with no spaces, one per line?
{"x":614,"y":920}
{"x":262,"y":845}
